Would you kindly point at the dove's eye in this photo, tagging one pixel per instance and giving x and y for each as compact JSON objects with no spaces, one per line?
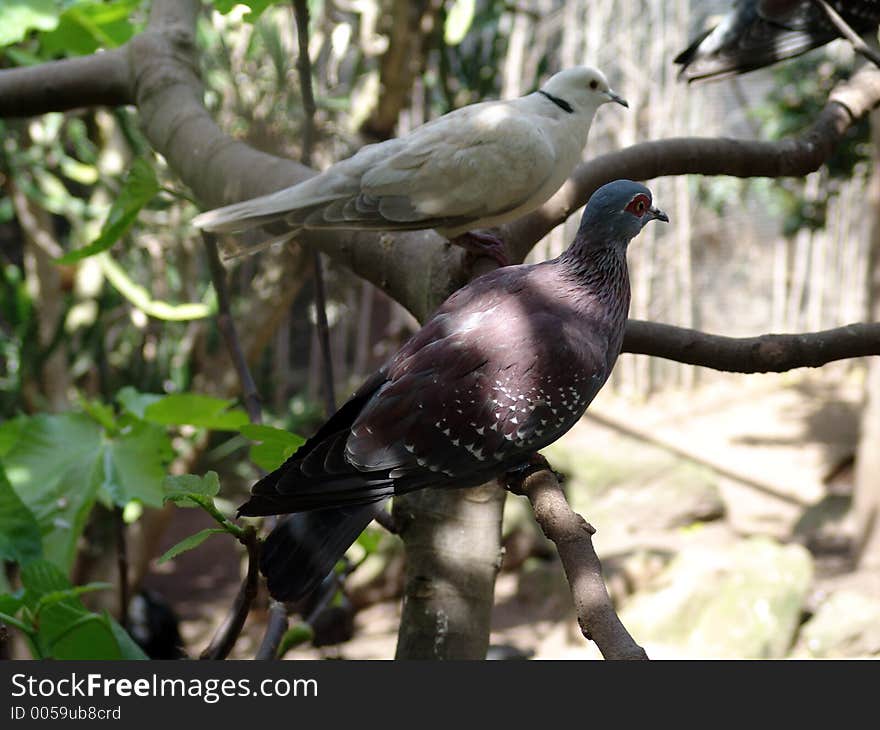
{"x":594,"y":84}
{"x":638,"y":205}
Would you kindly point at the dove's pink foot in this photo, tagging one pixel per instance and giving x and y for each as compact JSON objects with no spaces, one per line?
{"x":483,"y":244}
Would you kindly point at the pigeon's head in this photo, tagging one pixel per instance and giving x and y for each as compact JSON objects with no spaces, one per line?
{"x":581,"y":88}
{"x":618,"y":211}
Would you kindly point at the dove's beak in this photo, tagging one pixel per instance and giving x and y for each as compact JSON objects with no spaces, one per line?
{"x":617,"y":97}
{"x":658,"y":215}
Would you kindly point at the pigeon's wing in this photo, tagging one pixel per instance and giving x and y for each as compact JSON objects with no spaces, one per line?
{"x":476,"y":162}
{"x":756,"y":34}
{"x":477,"y":391}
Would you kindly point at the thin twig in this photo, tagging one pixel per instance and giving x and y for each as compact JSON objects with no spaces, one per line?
{"x":304,"y":69}
{"x":847,"y":32}
{"x":572,"y":536}
{"x":121,"y":563}
{"x":226,"y":325}
{"x":276,"y":627}
{"x":228,"y":632}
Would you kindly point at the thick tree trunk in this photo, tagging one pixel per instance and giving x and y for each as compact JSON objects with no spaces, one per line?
{"x":453,"y":553}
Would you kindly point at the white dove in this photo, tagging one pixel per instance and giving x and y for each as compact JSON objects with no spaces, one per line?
{"x":476,"y":167}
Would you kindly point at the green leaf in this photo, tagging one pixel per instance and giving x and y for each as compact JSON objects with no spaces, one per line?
{"x":84,"y":27}
{"x":193,"y":541}
{"x":458,"y":21}
{"x":257,"y":7}
{"x":20,"y":539}
{"x":138,"y":189}
{"x":103,"y":414}
{"x":52,"y":597}
{"x":61,"y":462}
{"x":183,"y":488}
{"x":296,"y":635}
{"x":19,"y":17}
{"x":276,"y":445}
{"x":54,"y":468}
{"x":11,"y":602}
{"x":196,"y":410}
{"x":134,"y":465}
{"x":128,"y":649}
{"x":136,"y":402}
{"x":66,"y":628}
{"x":9,"y":433}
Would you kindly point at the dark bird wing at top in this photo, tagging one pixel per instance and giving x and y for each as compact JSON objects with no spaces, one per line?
{"x":758,"y":33}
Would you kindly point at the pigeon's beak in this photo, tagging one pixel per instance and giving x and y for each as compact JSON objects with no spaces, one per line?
{"x":617,"y":97}
{"x":658,"y":215}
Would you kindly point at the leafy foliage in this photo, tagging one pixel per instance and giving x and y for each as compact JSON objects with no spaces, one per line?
{"x":48,"y":611}
{"x":139,"y":188}
{"x":275,"y":445}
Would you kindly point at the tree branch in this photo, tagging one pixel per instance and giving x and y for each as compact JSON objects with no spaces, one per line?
{"x":790,"y":157}
{"x":226,"y":325}
{"x":226,"y":636}
{"x":762,"y":354}
{"x":102,"y":79}
{"x":572,"y":536}
{"x":416,"y":269}
{"x":847,"y":32}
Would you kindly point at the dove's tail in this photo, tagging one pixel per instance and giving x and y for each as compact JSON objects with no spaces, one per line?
{"x":304,"y":547}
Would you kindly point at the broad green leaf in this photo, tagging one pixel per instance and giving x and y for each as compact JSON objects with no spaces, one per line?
{"x":20,"y":540}
{"x":55,"y":469}
{"x":66,"y":628}
{"x":128,"y":649}
{"x":11,"y":602}
{"x":196,"y":410}
{"x":52,"y":597}
{"x":19,"y":17}
{"x":136,"y":402}
{"x":276,"y":446}
{"x":134,"y":464}
{"x":138,"y":189}
{"x":193,"y":541}
{"x":84,"y":27}
{"x":60,"y":464}
{"x":458,"y":21}
{"x":102,"y":413}
{"x":9,"y":432}
{"x":180,"y":488}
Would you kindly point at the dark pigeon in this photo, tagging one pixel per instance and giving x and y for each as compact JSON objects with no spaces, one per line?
{"x":758,"y":33}
{"x":505,"y":367}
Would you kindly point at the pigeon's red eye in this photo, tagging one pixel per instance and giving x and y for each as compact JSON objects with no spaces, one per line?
{"x":638,"y":205}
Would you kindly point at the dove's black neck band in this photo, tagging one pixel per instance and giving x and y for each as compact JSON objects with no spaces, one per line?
{"x":561,"y":103}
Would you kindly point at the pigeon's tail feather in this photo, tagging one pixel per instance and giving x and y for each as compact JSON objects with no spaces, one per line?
{"x":304,"y":547}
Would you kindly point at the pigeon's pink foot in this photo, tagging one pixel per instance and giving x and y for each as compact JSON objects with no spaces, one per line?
{"x":477,"y":243}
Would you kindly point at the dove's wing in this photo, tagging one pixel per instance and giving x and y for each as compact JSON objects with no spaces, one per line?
{"x":474,"y":163}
